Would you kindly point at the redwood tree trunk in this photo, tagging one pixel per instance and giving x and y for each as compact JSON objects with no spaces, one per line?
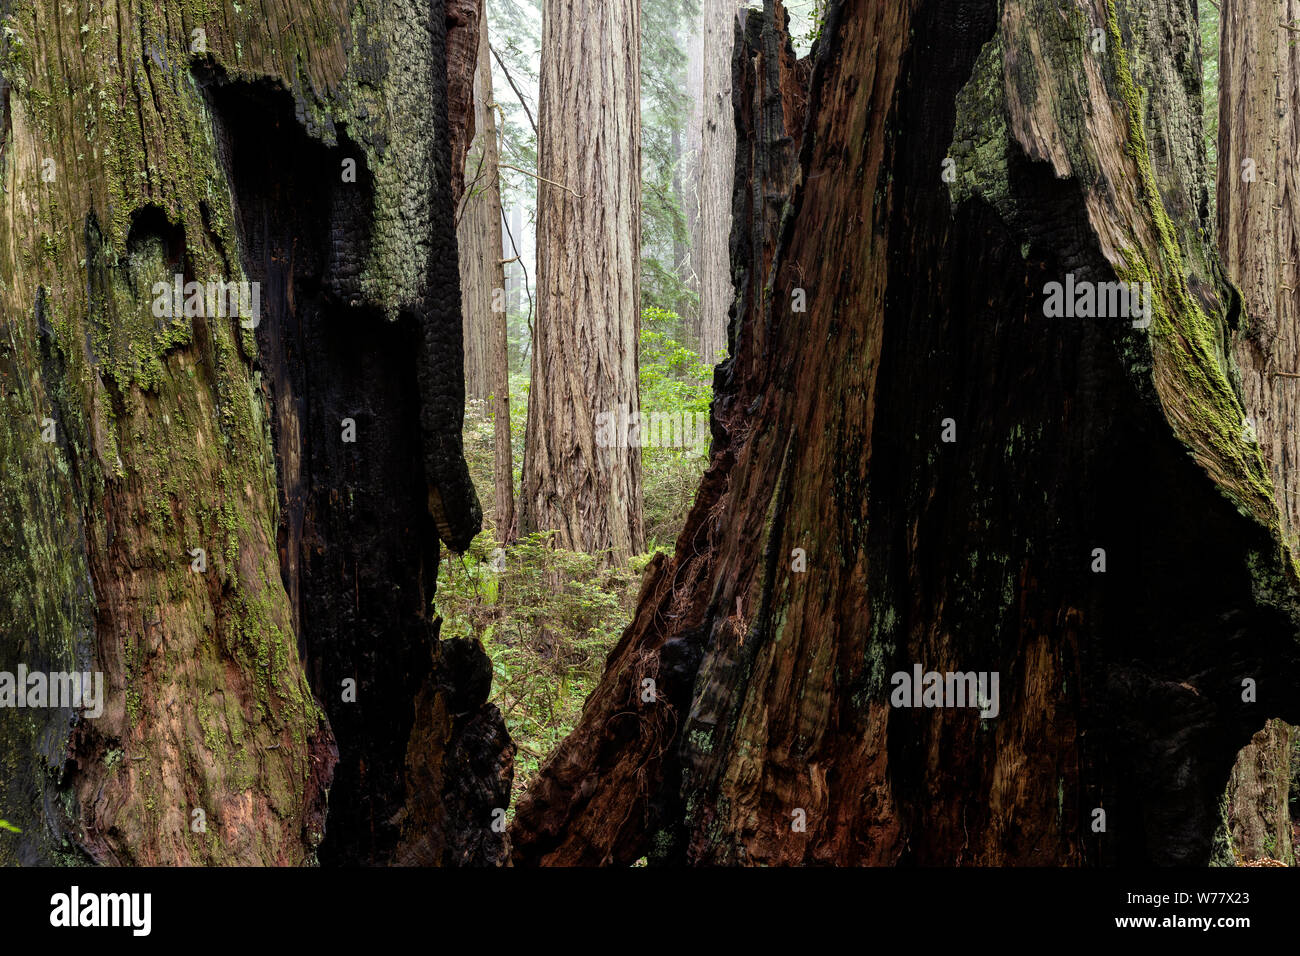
{"x":578,"y":481}
{"x":483,"y":282}
{"x":1259,"y":240}
{"x":1259,"y":790}
{"x":716,"y":165}
{"x":269,"y":158}
{"x":838,"y":539}
{"x":469,"y":180}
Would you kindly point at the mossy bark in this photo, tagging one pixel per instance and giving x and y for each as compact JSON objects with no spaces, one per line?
{"x":1259,"y":790}
{"x":116,"y":169}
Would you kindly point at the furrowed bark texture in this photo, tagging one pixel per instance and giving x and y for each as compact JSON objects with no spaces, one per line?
{"x":578,"y":481}
{"x":1259,"y":791}
{"x":464,"y":19}
{"x":691,"y":178}
{"x":638,"y":746}
{"x":773,"y":738}
{"x":483,"y":284}
{"x":1259,"y":240}
{"x":482,"y":273}
{"x":497,"y":338}
{"x":224,"y":154}
{"x":478,"y":257}
{"x":717,"y":151}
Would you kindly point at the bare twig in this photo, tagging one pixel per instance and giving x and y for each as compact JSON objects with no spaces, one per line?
{"x":468,"y":188}
{"x":524,"y":268}
{"x":511,"y":80}
{"x":543,"y":179}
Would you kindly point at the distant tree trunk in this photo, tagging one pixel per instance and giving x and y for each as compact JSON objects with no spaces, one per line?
{"x":463,"y":19}
{"x":486,"y":274}
{"x":681,"y":172}
{"x":922,"y":470}
{"x":472,"y":177}
{"x":1259,"y":240}
{"x":681,"y":244}
{"x":691,"y":173}
{"x":716,"y":169}
{"x":581,"y":477}
{"x":235,"y":519}
{"x":514,"y":245}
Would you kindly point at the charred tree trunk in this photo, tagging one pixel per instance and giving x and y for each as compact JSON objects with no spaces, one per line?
{"x":582,"y":474}
{"x":230,"y":503}
{"x":1259,"y":240}
{"x":1098,"y":530}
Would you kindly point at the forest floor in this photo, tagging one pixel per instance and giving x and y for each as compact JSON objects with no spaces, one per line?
{"x":548,"y":644}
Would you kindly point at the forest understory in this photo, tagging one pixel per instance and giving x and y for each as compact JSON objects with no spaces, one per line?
{"x":650,"y":433}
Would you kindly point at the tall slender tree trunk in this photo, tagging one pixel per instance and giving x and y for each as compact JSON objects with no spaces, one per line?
{"x":1259,"y":240}
{"x":472,"y":177}
{"x":487,"y":275}
{"x":716,"y":169}
{"x":483,"y":283}
{"x":582,"y":469}
{"x":924,"y":472}
{"x":514,"y":245}
{"x":691,"y":177}
{"x":681,"y":244}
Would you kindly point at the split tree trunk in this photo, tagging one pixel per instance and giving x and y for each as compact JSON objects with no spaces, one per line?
{"x":838,"y":539}
{"x":581,"y":482}
{"x":1259,"y":240}
{"x":137,"y":146}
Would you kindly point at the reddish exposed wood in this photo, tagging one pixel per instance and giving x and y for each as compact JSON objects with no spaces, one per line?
{"x":772,"y":739}
{"x":463,"y":17}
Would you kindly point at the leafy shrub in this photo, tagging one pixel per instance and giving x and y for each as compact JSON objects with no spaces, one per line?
{"x":675,"y":382}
